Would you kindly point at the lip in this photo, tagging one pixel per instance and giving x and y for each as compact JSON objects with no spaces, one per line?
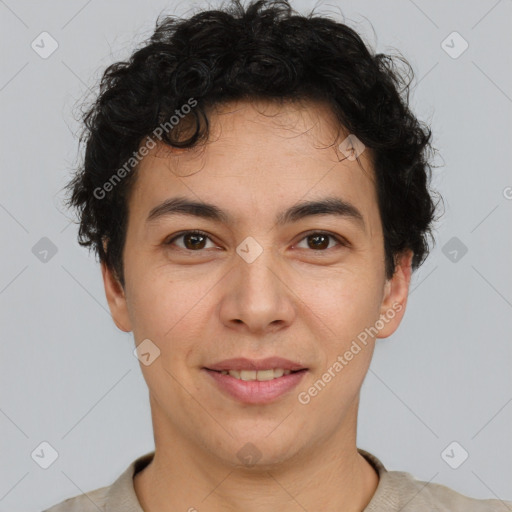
{"x":256,"y":392}
{"x":242,"y":363}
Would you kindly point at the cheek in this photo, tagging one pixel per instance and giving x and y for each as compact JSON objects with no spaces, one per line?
{"x":152,"y":307}
{"x":342,"y":313}
{"x":170,"y":312}
{"x":342,"y":304}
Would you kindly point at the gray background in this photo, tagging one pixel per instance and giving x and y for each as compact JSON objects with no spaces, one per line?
{"x":68,"y":376}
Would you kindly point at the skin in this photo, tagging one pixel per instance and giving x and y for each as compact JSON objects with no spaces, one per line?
{"x":200,"y":306}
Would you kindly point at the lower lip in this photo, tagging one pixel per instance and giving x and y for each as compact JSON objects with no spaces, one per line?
{"x":256,"y":392}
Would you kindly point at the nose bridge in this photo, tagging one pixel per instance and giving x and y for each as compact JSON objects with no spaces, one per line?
{"x":256,"y":294}
{"x":258,"y":270}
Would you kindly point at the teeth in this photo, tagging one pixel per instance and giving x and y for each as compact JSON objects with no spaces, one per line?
{"x":260,"y":375}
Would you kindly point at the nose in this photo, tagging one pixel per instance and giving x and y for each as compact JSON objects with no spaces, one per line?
{"x":257,"y":297}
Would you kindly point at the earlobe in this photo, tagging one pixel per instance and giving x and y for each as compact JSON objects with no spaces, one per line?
{"x":116,"y":299}
{"x":396,"y":291}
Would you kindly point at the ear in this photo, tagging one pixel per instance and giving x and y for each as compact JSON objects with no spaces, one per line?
{"x":396,"y":291}
{"x":116,"y":299}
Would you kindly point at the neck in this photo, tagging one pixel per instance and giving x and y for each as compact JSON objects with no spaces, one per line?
{"x":329,"y":476}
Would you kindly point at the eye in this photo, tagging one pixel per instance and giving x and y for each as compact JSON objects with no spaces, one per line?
{"x":319,"y":240}
{"x":193,"y":240}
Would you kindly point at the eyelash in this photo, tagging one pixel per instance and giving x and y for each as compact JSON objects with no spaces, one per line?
{"x":340,"y":241}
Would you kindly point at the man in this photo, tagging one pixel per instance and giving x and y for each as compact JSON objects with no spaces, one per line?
{"x":257,"y":192}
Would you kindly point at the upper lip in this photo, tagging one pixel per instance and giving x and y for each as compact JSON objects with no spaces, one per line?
{"x":242,"y":363}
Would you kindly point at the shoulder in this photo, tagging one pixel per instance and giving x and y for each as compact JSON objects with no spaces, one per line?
{"x":91,"y":501}
{"x":416,"y":495}
{"x":118,"y":496}
{"x":401,"y":491}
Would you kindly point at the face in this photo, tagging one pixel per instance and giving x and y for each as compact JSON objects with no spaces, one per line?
{"x":308,"y":286}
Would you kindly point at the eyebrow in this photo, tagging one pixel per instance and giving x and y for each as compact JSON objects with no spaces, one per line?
{"x":327,"y":206}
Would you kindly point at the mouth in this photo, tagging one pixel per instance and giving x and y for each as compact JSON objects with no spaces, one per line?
{"x":255,"y":387}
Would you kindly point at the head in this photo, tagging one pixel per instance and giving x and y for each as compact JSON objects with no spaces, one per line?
{"x":301,"y":244}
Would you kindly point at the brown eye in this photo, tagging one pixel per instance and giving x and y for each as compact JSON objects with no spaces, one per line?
{"x":319,"y":241}
{"x":192,"y":240}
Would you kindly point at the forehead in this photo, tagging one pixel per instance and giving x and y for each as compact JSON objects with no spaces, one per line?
{"x":259,"y":155}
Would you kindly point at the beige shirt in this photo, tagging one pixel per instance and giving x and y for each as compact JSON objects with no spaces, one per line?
{"x":396,"y":491}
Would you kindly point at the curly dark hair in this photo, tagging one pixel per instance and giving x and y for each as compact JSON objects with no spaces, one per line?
{"x":264,"y":50}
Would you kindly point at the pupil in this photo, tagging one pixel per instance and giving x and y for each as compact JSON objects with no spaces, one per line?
{"x":321,"y":245}
{"x":194,"y":238}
